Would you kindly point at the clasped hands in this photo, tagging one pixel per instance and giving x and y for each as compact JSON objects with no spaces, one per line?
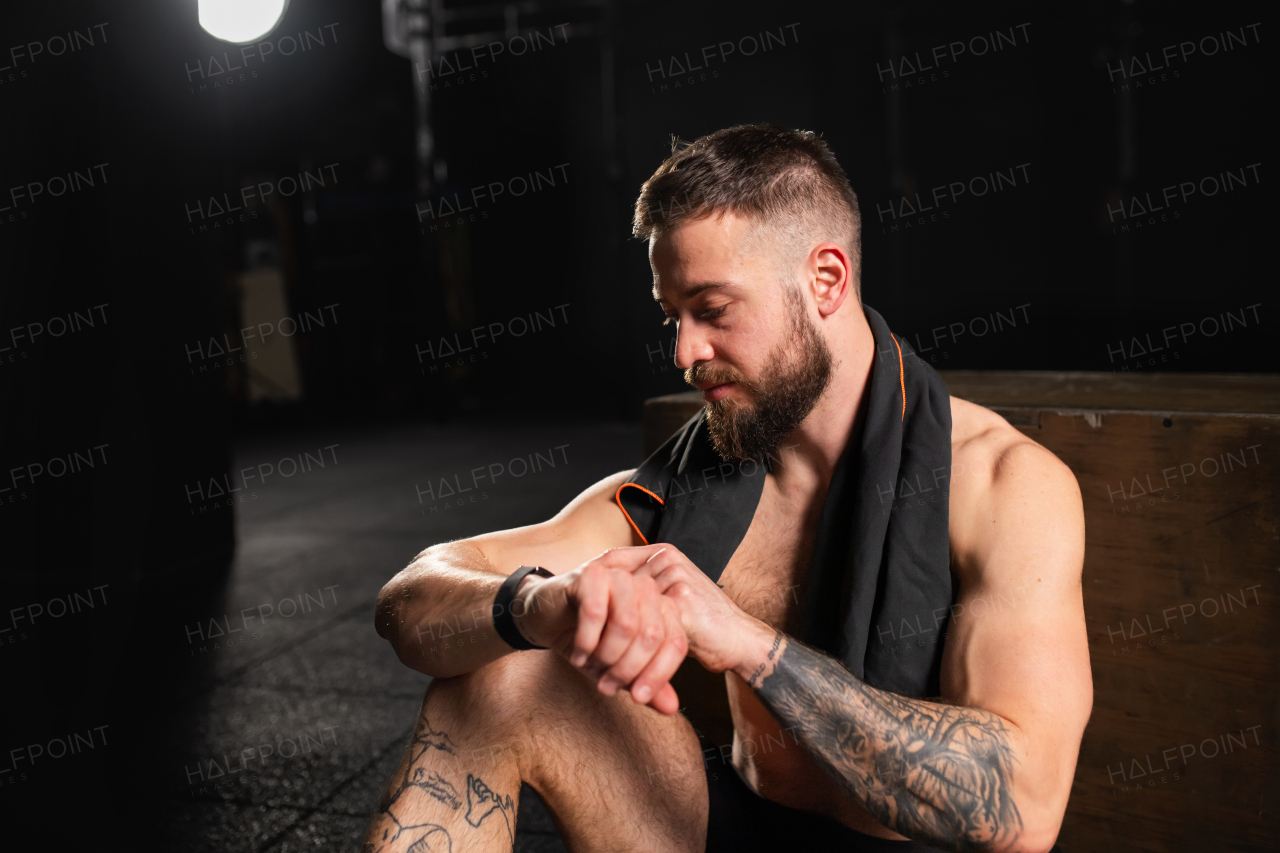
{"x":628,"y":618}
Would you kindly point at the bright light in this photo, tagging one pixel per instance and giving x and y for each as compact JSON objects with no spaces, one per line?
{"x":240,"y":21}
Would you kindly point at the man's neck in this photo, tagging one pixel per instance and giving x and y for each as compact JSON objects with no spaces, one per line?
{"x":810,"y":453}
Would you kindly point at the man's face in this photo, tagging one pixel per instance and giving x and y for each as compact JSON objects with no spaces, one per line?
{"x":745,"y":335}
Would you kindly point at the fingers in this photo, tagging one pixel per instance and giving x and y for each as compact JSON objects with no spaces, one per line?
{"x":592,"y":594}
{"x":688,"y":588}
{"x":670,"y":567}
{"x":655,"y":562}
{"x":623,"y":621}
{"x":633,"y":558}
{"x":629,"y":635}
{"x":649,"y":635}
{"x":648,"y":686}
{"x":667,"y":573}
{"x":666,"y":701}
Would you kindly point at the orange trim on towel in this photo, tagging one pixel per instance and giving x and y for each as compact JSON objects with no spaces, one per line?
{"x":902,"y":378}
{"x":618,"y":498}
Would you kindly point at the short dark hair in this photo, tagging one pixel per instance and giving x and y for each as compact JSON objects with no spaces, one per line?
{"x":788,"y":180}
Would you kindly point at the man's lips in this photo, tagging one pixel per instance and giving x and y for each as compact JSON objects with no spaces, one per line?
{"x":714,"y":392}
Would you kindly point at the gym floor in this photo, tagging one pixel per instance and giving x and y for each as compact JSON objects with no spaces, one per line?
{"x":321,"y":678}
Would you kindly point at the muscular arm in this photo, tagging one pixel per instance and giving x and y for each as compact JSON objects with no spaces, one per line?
{"x":437,"y":614}
{"x":990,"y":768}
{"x":933,"y":772}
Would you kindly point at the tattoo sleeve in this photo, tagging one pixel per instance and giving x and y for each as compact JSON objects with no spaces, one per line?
{"x":936,"y":773}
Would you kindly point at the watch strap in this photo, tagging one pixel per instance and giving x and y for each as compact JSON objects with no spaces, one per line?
{"x":503,"y":618}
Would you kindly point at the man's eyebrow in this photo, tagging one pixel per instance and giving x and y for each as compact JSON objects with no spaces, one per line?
{"x":693,"y":290}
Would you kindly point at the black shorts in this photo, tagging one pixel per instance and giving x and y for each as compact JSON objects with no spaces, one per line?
{"x":741,"y":821}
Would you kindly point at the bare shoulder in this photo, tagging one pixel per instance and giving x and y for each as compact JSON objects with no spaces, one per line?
{"x":1005,"y":485}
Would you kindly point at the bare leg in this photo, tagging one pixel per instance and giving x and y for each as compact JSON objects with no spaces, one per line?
{"x":615,"y":776}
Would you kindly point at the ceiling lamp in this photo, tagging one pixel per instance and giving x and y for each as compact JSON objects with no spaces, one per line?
{"x":240,"y":21}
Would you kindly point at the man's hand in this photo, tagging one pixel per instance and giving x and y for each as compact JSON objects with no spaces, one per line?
{"x":610,"y":622}
{"x":719,"y":632}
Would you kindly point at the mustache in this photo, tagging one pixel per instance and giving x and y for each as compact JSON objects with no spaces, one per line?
{"x":704,"y":373}
{"x":718,"y":375}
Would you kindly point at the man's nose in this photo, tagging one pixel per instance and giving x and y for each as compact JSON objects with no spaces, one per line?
{"x":693,"y":344}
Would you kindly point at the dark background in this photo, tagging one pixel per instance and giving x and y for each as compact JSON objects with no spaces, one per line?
{"x":597,"y":103}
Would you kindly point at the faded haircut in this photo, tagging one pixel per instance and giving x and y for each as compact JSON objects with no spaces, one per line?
{"x":788,"y":181}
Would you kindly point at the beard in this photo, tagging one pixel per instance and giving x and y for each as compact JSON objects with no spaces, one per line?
{"x":799,"y":370}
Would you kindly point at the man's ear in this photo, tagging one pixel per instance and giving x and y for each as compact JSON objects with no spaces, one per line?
{"x":831,"y":272}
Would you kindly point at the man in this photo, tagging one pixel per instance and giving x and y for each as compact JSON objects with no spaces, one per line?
{"x":830,"y":493}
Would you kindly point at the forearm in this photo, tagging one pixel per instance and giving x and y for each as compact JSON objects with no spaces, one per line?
{"x":936,"y":773}
{"x":438,"y":613}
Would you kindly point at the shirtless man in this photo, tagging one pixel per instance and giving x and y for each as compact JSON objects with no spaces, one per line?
{"x":771,"y":328}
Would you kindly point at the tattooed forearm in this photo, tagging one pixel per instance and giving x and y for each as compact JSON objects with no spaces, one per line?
{"x":755,"y":676}
{"x":936,"y":773}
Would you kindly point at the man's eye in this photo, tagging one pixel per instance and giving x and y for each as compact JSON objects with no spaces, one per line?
{"x":713,"y":313}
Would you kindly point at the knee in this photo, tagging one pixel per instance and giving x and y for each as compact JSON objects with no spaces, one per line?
{"x":513,"y":708}
{"x":499,"y":682}
{"x":511,"y":694}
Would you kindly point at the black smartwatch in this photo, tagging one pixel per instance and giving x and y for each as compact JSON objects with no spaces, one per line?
{"x":503,"y":622}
